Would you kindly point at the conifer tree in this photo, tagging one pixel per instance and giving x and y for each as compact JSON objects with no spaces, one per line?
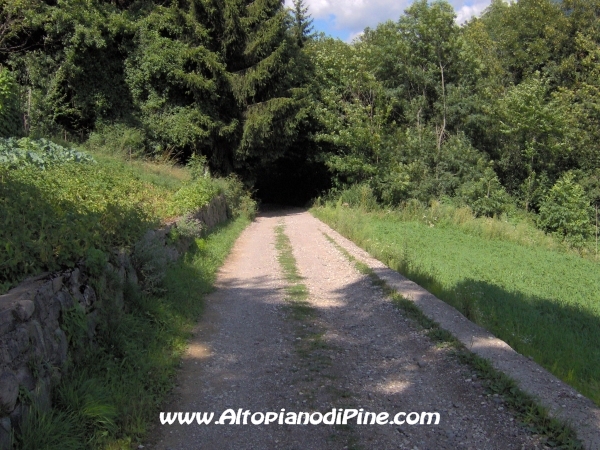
{"x":178,"y":80}
{"x":303,"y":29}
{"x":266,"y":75}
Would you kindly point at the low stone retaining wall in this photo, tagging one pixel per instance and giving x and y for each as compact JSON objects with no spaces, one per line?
{"x":34,"y":350}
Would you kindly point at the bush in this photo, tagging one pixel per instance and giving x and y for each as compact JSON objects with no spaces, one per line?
{"x":358,"y":196}
{"x":151,"y":257}
{"x":95,"y":262}
{"x":198,"y":166}
{"x":394,"y":186}
{"x":118,"y":139}
{"x":486,"y":196}
{"x":187,"y":228}
{"x":239,"y":199}
{"x":10,"y":123}
{"x":193,"y":196}
{"x":566,"y":211}
{"x":51,"y":218}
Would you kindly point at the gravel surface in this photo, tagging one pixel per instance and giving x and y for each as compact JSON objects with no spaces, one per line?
{"x":356,"y":351}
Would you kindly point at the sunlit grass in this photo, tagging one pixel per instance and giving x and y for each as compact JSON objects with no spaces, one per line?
{"x":527,"y":409}
{"x":543,"y":303}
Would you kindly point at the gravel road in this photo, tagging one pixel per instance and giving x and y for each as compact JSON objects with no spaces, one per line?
{"x":356,"y":351}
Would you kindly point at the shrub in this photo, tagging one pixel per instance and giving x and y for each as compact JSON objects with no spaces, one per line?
{"x":198,"y":166}
{"x":49,"y":219}
{"x":566,"y":211}
{"x":486,"y":196}
{"x":239,"y":199}
{"x":10,"y":123}
{"x":118,"y":139}
{"x":394,"y":185}
{"x":187,"y":228}
{"x":151,"y":257}
{"x":359,"y":196}
{"x":193,"y":195}
{"x":95,"y":262}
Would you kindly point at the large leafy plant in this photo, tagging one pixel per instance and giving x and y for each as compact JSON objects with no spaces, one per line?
{"x":40,"y":153}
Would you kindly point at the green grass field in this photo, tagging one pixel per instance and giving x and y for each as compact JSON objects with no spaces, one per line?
{"x":544,"y":303}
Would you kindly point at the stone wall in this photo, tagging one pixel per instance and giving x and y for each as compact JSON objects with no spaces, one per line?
{"x":34,"y":349}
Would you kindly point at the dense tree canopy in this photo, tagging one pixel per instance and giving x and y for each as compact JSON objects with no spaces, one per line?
{"x":221,"y":78}
{"x":491,"y":114}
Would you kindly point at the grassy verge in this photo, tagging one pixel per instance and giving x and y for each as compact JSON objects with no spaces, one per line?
{"x":165,"y":174}
{"x":531,"y":414}
{"x":543,"y":303}
{"x":115,"y":388}
{"x":61,"y":204}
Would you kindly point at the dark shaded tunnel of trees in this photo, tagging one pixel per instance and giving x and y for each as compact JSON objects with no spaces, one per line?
{"x":292,"y":182}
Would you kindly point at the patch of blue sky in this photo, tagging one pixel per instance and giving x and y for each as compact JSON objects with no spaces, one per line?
{"x":346,"y":19}
{"x":328,"y":26}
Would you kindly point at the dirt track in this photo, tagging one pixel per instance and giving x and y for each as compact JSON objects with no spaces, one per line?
{"x":247,"y":353}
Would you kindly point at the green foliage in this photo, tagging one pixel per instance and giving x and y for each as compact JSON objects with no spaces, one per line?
{"x":566,"y":211}
{"x":239,"y":199}
{"x":536,"y":134}
{"x":53,"y":218}
{"x":174,"y":76}
{"x":488,"y":115}
{"x":187,"y":228}
{"x":198,"y":166}
{"x":77,"y":77}
{"x":10,"y":120}
{"x":406,"y":108}
{"x":495,"y":382}
{"x":118,"y":139}
{"x":95,"y":262}
{"x":193,"y":195}
{"x":529,"y":34}
{"x":74,"y":324}
{"x":348,"y":110}
{"x":49,"y":430}
{"x":134,"y":366}
{"x":302,"y":28}
{"x":112,"y":395}
{"x":39,"y":153}
{"x":152,"y":258}
{"x":394,"y":186}
{"x":49,"y":219}
{"x":486,"y":196}
{"x":358,"y":196}
{"x":89,"y":404}
{"x":17,"y":18}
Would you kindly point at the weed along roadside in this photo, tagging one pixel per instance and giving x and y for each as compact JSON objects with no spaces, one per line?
{"x":89,"y":352}
{"x":118,"y":346}
{"x":542,"y":401}
{"x":543,"y":303}
{"x":296,"y":336}
{"x":497,"y":383}
{"x":455,"y":141}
